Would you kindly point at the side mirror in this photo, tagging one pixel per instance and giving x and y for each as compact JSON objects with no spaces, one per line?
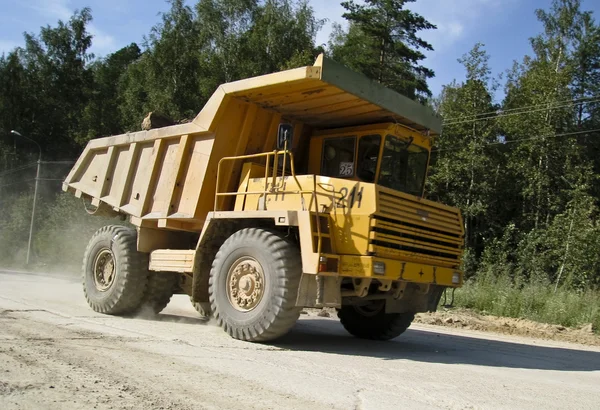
{"x":285,"y":134}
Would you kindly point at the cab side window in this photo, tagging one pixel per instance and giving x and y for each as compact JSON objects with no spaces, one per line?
{"x":368,"y":154}
{"x":339,"y":157}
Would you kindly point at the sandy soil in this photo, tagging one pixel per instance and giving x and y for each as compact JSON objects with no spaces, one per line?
{"x":55,"y":352}
{"x":465,"y":319}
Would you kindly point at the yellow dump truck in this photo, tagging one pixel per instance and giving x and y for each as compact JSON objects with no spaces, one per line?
{"x":297,"y":189}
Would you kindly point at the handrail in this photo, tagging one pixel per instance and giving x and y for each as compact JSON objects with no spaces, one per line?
{"x":268,"y":156}
{"x":275,"y":189}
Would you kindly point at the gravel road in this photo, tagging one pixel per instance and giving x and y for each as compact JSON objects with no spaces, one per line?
{"x":56,"y":353}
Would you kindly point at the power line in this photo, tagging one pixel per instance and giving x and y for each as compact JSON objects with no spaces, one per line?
{"x":538,"y":137}
{"x":32,"y":179}
{"x":17,"y":182}
{"x":17,"y":169}
{"x":32,"y":164}
{"x":510,"y":114}
{"x":524,"y":107}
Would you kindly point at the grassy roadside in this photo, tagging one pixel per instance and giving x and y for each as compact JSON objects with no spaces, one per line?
{"x":536,"y":302}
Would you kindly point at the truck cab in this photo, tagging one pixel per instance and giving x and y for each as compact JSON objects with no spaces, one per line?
{"x":390,"y":155}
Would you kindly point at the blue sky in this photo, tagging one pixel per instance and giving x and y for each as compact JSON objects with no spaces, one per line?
{"x":504,"y":26}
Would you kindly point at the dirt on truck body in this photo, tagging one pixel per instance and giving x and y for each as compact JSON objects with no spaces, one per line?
{"x":302,"y":188}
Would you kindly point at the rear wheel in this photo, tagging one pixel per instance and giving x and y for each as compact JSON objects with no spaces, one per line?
{"x":371,"y":322}
{"x":253,"y":285}
{"x":203,"y":308}
{"x":160,"y":289}
{"x":115,"y":274}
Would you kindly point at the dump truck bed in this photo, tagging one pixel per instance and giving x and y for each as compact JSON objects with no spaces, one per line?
{"x":160,"y":175}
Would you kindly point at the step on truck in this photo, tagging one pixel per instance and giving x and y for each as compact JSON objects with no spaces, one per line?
{"x":298,"y":189}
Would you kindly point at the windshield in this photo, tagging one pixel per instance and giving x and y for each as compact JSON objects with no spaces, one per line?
{"x":368,"y":156}
{"x":403,"y":166}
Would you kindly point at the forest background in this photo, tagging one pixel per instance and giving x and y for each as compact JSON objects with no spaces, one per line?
{"x":525,"y":171}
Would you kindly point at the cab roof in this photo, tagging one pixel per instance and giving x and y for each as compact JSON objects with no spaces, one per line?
{"x":325,"y":95}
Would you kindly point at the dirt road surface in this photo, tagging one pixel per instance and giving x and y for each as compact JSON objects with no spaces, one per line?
{"x":56,"y":353}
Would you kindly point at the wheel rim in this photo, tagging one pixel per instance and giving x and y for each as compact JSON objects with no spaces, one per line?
{"x":245,"y":284}
{"x":370,"y":309}
{"x":104,"y":270}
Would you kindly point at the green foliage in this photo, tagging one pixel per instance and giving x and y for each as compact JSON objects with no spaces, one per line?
{"x":465,"y":166}
{"x":58,"y":84}
{"x":522,"y":171}
{"x":382,"y":43}
{"x":535,"y":301}
{"x":102,"y":116}
{"x":194,"y":50}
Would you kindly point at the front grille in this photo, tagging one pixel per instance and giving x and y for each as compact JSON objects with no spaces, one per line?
{"x":410,"y":228}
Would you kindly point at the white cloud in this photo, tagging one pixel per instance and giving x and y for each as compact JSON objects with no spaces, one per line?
{"x":58,"y":9}
{"x":455,"y":29}
{"x":454,"y":19}
{"x":102,"y":42}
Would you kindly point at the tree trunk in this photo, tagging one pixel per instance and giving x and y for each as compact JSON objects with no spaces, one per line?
{"x":566,"y":255}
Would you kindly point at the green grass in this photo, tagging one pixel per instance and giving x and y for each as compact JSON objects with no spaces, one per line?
{"x":538,"y":302}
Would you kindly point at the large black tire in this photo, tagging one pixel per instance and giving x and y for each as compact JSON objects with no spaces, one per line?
{"x":120,"y":292}
{"x":203,"y":308}
{"x":275,"y":312}
{"x":373,"y":323}
{"x":160,"y":289}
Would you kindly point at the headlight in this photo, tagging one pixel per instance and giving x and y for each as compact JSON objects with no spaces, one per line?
{"x":456,"y":278}
{"x":379,"y":268}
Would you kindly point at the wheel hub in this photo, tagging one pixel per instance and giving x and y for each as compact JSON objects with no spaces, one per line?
{"x":245,"y":284}
{"x":104,"y":270}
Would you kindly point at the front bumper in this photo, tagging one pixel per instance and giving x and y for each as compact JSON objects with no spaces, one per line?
{"x":364,"y":267}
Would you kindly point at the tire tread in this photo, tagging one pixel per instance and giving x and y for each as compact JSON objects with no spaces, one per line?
{"x":284,"y":313}
{"x":131,"y":271}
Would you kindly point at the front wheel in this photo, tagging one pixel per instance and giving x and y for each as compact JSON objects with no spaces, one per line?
{"x":371,"y":322}
{"x":253,"y":285}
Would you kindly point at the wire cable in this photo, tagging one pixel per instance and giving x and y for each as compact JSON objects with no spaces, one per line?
{"x":17,"y":182}
{"x":17,"y":169}
{"x":538,"y":137}
{"x":32,"y":164}
{"x":515,"y":113}
{"x":499,"y":111}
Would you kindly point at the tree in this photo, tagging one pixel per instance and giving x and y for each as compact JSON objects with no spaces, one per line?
{"x":465,"y":169}
{"x":519,"y":171}
{"x":383,"y":44}
{"x":283,"y":36}
{"x":541,"y":156}
{"x":165,"y":78}
{"x":586,"y":89}
{"x":102,"y":116}
{"x":194,"y":50}
{"x":58,"y":84}
{"x":14,"y":104}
